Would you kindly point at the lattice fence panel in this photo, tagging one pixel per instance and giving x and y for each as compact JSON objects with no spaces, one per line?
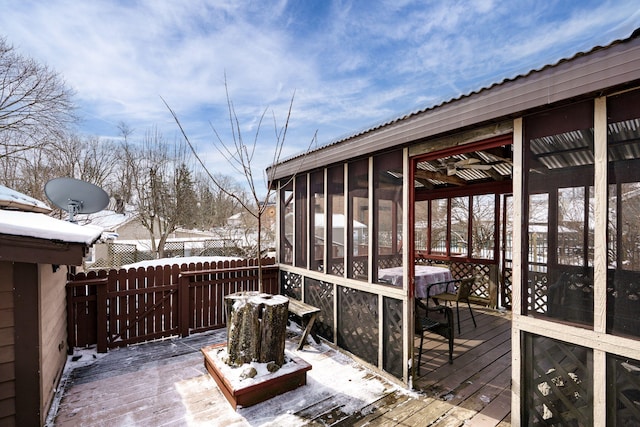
{"x":392,"y":330}
{"x":359,"y":266}
{"x":460,"y":270}
{"x":320,"y":294}
{"x":104,"y":256}
{"x":213,"y":248}
{"x":537,"y":291}
{"x":173,"y":249}
{"x":121,"y":254}
{"x":389,"y":262}
{"x":506,"y":291}
{"x":482,"y":273}
{"x":507,"y":287}
{"x":337,"y":269}
{"x":291,"y":284}
{"x":358,"y":323}
{"x":559,"y":383}
{"x":623,"y":393}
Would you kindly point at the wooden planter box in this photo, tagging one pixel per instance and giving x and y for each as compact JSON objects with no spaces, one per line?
{"x":261,"y":389}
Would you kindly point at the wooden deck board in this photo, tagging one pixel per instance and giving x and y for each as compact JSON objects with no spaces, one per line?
{"x":165,"y":383}
{"x":468,"y":347}
{"x":478,"y":376}
{"x":466,"y":342}
{"x":396,"y":414}
{"x":495,"y":411}
{"x":375,"y":411}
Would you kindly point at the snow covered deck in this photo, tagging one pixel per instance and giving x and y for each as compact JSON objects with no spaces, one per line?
{"x":165,"y":383}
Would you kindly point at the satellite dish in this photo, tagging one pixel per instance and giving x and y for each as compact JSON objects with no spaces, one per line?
{"x":76,"y":196}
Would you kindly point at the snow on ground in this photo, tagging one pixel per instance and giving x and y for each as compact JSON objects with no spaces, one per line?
{"x":81,"y":357}
{"x":334,"y":377}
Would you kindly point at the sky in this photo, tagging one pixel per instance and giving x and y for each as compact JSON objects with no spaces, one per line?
{"x":343,"y":65}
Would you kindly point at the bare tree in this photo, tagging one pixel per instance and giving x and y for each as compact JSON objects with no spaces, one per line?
{"x":122,"y":191}
{"x":35,"y":104}
{"x":214,"y":205}
{"x":33,"y":173}
{"x":87,"y":158}
{"x":241,"y":157}
{"x":160,"y":183}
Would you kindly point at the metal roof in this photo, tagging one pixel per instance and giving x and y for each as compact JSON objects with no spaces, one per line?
{"x":601,"y":70}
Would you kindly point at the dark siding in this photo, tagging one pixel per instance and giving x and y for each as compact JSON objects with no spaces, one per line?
{"x":27,"y":344}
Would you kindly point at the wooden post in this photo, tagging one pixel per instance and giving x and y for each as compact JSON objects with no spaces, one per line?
{"x":71,"y":320}
{"x":101,"y":307}
{"x":183,"y":301}
{"x":493,"y":286}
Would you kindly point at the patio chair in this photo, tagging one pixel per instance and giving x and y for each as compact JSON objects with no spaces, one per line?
{"x":463,"y":292}
{"x":426,"y":321}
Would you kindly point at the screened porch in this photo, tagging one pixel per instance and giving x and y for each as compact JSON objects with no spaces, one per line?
{"x":356,"y":237}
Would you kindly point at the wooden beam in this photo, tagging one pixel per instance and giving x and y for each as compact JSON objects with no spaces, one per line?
{"x":440,"y":177}
{"x":42,"y":251}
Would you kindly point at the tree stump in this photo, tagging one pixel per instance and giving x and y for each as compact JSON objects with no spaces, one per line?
{"x":256,"y":327}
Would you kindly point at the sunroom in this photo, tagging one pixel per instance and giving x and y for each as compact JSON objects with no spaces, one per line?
{"x":531,"y":187}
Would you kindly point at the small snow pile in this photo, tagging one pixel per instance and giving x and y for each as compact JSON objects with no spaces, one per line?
{"x":238,"y":377}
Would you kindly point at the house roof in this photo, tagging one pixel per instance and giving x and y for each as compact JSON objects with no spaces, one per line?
{"x":11,"y":199}
{"x":601,"y":70}
{"x":107,"y":219}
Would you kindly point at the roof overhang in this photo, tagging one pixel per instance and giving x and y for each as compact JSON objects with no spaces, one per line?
{"x":40,"y":251}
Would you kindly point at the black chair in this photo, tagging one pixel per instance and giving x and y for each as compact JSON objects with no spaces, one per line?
{"x":427,"y":321}
{"x":464,"y":287}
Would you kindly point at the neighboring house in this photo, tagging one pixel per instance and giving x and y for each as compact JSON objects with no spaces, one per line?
{"x":236,"y":220}
{"x":35,"y":252}
{"x":241,"y":228}
{"x":125,"y":240}
{"x":241,"y":219}
{"x":557,"y":152}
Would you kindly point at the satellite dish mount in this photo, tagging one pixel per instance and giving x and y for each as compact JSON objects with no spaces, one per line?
{"x":73,"y":208}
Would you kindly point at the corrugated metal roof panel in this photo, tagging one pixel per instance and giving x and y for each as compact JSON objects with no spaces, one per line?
{"x":624,"y":140}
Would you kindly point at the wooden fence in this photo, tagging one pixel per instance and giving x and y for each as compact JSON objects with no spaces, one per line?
{"x":120,"y":307}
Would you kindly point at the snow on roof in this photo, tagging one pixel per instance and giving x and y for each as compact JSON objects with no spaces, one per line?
{"x":109,"y":220}
{"x":41,"y":226}
{"x":11,"y":199}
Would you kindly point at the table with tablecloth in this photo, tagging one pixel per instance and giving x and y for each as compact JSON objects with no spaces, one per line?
{"x":425,"y":275}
